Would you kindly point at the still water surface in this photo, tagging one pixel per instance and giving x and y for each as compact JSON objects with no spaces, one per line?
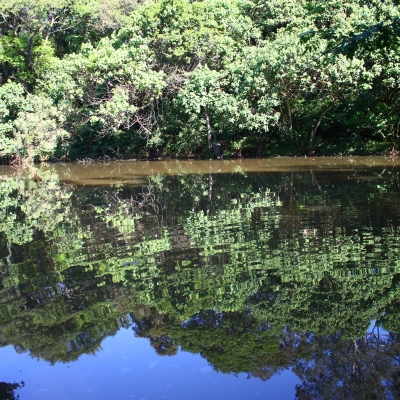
{"x":269,"y":279}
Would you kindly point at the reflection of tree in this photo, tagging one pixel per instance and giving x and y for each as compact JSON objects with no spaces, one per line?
{"x":153,"y":327}
{"x":294,"y":253}
{"x":351,"y":369}
{"x":326,"y":305}
{"x":232,"y":342}
{"x":32,"y":204}
{"x":62,"y":328}
{"x":329,"y":366}
{"x":7,"y":390}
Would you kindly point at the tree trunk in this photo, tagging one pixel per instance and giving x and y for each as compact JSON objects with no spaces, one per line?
{"x":29,"y":51}
{"x":208,"y":128}
{"x":289,"y":111}
{"x":314,"y":130}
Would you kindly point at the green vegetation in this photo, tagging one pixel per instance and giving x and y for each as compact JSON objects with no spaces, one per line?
{"x":135,"y":78}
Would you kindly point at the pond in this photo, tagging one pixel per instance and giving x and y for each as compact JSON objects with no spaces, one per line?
{"x":274,"y":279}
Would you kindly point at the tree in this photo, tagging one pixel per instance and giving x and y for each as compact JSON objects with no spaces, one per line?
{"x":30,"y":126}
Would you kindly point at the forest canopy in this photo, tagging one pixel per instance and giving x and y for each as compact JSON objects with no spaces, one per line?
{"x":168,"y":78}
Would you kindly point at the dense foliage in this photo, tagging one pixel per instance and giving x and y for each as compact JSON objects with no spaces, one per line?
{"x":150,"y":78}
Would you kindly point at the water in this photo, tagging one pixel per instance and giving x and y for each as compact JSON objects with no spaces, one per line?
{"x":201,"y":279}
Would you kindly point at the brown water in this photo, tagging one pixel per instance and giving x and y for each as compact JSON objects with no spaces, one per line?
{"x":133,"y":172}
{"x":176,"y":279}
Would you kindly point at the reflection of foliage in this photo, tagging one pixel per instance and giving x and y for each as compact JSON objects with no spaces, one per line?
{"x":153,"y":328}
{"x":31,"y":205}
{"x":352,"y":369}
{"x":7,"y":390}
{"x":225,"y":263}
{"x":231,"y":342}
{"x":237,"y":342}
